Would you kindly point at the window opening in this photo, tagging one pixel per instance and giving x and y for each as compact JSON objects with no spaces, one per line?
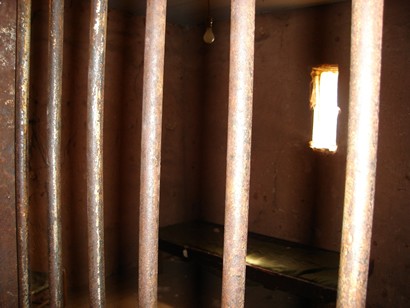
{"x":323,"y":101}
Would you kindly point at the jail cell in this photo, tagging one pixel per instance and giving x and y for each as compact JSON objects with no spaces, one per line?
{"x":157,"y":154}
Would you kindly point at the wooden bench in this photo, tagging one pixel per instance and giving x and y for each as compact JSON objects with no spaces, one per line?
{"x":277,"y":264}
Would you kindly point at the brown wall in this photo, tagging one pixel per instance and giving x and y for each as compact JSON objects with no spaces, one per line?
{"x":287,"y":199}
{"x":296,"y":193}
{"x":390,"y":283}
{"x":180,"y":131}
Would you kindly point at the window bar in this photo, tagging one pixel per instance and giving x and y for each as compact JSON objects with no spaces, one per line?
{"x":151,"y":151}
{"x":238,"y":152}
{"x":366,"y":41}
{"x":95,"y":113}
{"x":22,"y":103}
{"x":54,"y":149}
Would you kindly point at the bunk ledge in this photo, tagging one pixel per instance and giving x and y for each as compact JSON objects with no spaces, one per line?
{"x":277,"y":264}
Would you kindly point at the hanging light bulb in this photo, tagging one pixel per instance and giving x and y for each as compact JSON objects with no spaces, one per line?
{"x":209,"y":36}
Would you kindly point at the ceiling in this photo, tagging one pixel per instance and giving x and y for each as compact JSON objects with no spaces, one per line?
{"x":195,"y":11}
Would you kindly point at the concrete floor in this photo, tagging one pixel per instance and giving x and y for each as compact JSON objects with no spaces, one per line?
{"x":183,"y":284}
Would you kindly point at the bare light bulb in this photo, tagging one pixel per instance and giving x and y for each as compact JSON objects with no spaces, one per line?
{"x":209,"y":36}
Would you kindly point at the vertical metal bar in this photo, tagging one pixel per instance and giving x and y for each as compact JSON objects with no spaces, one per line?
{"x":95,"y":117}
{"x":366,"y":41}
{"x":151,"y":151}
{"x":8,"y":235}
{"x":239,"y":151}
{"x":22,"y":103}
{"x":56,"y":28}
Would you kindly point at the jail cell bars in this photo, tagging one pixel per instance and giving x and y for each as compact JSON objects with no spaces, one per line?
{"x":239,"y":152}
{"x":22,"y":100}
{"x":95,"y":117}
{"x":366,"y":38}
{"x":54,"y":149}
{"x":361,"y":160}
{"x":151,"y":152}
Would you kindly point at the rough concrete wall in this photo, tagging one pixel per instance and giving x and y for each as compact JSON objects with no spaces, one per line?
{"x":295,"y":193}
{"x":389,"y":286}
{"x":183,"y":90}
{"x":8,"y":252}
{"x":285,"y":172}
{"x":122,"y":129}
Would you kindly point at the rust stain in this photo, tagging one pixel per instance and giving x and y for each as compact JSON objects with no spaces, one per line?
{"x":8,"y":39}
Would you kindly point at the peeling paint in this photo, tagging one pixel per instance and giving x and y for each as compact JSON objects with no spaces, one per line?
{"x":8,"y":42}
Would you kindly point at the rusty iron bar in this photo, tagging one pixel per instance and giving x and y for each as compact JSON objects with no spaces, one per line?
{"x":365,"y":68}
{"x":8,"y":236}
{"x":151,"y":151}
{"x":241,"y":68}
{"x":95,"y":117}
{"x":22,"y":104}
{"x":56,"y":13}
